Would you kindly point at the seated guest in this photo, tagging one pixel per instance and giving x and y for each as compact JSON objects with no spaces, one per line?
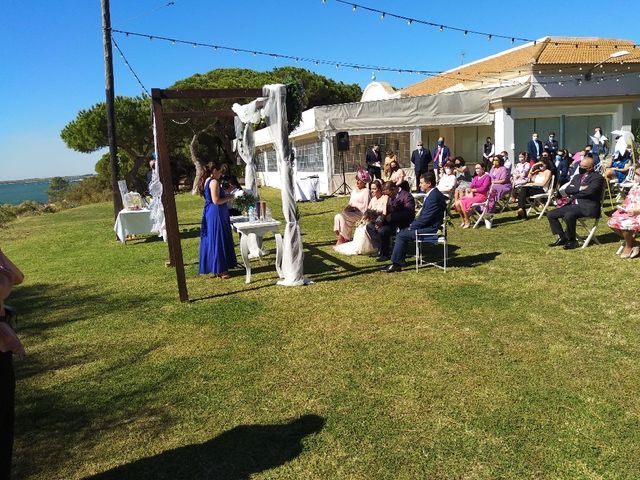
{"x":396,"y":173}
{"x":507,"y":161}
{"x":619,"y":168}
{"x":448,"y":180}
{"x":344,"y":221}
{"x":401,"y":210}
{"x":428,"y":221}
{"x":463,"y":176}
{"x":386,"y":170}
{"x":361,"y":243}
{"x":585,"y":200}
{"x":500,"y":178}
{"x":538,"y":181}
{"x":520,"y":173}
{"x":563,"y":161}
{"x":625,"y":221}
{"x":476,"y":193}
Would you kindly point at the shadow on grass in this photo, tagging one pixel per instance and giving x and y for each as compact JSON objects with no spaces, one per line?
{"x":471,"y":260}
{"x":232,"y":455}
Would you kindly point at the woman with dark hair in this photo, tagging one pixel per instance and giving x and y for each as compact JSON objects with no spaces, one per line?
{"x":217,"y":253}
{"x":539,"y":181}
{"x":396,"y":173}
{"x":476,"y":193}
{"x":500,"y":178}
{"x":463,"y":177}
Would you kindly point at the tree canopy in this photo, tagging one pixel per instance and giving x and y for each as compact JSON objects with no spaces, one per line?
{"x":88,"y":131}
{"x":318,"y":90}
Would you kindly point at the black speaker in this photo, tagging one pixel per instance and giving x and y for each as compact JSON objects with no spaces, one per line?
{"x":343,"y":141}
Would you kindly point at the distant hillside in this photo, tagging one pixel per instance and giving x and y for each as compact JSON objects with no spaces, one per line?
{"x":72,"y":178}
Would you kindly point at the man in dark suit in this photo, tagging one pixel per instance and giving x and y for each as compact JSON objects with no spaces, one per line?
{"x":585,"y":191}
{"x":440,"y":154}
{"x":551,"y":146}
{"x":429,"y":220}
{"x":374,"y":162}
{"x":401,"y":210}
{"x":420,"y":157}
{"x":534,"y":147}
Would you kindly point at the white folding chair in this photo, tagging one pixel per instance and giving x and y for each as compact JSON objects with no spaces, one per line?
{"x":435,"y":239}
{"x":541,"y":201}
{"x":479,"y":211}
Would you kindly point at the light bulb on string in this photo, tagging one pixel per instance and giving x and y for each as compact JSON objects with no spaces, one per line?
{"x":353,"y":9}
{"x":466,"y":32}
{"x":382,"y":16}
{"x":489,"y":37}
{"x":441,"y":28}
{"x":409,"y":22}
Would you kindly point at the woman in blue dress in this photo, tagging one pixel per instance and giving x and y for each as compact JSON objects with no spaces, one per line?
{"x":217,"y":253}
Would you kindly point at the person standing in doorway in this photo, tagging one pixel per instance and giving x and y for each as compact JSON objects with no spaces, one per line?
{"x":421,"y":158}
{"x":441,"y":154}
{"x":534,"y":147}
{"x":374,"y":162}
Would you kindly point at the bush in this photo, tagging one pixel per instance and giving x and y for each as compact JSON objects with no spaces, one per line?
{"x":89,"y":190}
{"x":7,"y":213}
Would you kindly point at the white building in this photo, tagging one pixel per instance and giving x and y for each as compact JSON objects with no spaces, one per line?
{"x":556,"y":84}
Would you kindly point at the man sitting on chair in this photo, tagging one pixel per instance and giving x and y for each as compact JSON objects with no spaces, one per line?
{"x":428,"y":221}
{"x":401,"y":210}
{"x":585,"y":199}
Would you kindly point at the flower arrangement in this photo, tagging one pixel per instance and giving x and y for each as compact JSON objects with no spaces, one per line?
{"x":243,"y":202}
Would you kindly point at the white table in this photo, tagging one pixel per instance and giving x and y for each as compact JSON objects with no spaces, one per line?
{"x":306,"y":189}
{"x":251,"y":234}
{"x":132,"y":222}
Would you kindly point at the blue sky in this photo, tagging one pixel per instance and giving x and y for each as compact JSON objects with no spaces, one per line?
{"x":52,"y":61}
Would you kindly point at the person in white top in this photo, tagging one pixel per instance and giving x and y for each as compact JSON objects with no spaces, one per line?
{"x":448,"y":180}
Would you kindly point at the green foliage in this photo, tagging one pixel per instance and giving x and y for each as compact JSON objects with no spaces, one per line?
{"x":318,"y":90}
{"x":88,"y":190}
{"x":7,"y":214}
{"x":57,"y":187}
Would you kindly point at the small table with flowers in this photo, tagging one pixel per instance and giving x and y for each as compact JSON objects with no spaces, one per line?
{"x":251,"y":234}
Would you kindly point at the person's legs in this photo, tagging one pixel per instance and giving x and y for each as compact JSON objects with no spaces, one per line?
{"x":385,"y":232}
{"x":571,"y":215}
{"x":400,"y":246}
{"x":554,"y":222}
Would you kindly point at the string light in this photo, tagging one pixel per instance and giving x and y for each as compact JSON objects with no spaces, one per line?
{"x":441,"y":28}
{"x":382,"y":16}
{"x":291,"y":57}
{"x":115,"y":44}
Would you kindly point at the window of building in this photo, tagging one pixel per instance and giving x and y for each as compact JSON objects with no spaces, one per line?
{"x":309,"y":157}
{"x":259,"y":160}
{"x":272,"y":162}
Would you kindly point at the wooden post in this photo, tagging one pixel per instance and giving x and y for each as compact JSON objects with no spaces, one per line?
{"x":168,"y":200}
{"x":110,"y":106}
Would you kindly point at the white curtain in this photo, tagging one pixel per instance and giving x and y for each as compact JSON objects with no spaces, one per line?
{"x":155,"y":189}
{"x":246,"y":116}
{"x":292,"y":251}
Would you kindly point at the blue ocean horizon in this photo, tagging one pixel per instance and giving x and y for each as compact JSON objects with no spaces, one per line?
{"x":16,"y":193}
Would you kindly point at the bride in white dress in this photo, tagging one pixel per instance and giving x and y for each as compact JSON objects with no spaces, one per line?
{"x":361,"y":243}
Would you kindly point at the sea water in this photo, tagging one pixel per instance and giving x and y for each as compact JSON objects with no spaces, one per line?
{"x":15,"y":193}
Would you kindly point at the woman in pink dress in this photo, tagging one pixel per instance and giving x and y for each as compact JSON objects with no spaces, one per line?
{"x":344,"y":221}
{"x":476,"y":193}
{"x":625,"y":221}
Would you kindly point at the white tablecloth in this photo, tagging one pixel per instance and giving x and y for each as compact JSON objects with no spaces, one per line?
{"x":307,"y":189}
{"x":132,"y":222}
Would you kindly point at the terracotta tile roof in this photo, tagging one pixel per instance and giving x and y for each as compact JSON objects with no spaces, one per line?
{"x":522,"y":60}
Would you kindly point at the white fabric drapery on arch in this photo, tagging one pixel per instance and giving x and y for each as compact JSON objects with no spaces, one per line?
{"x":246,"y":116}
{"x":292,"y":252}
{"x":155,"y":189}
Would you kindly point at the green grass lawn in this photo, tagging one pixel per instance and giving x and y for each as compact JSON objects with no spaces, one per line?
{"x":521,"y":361}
